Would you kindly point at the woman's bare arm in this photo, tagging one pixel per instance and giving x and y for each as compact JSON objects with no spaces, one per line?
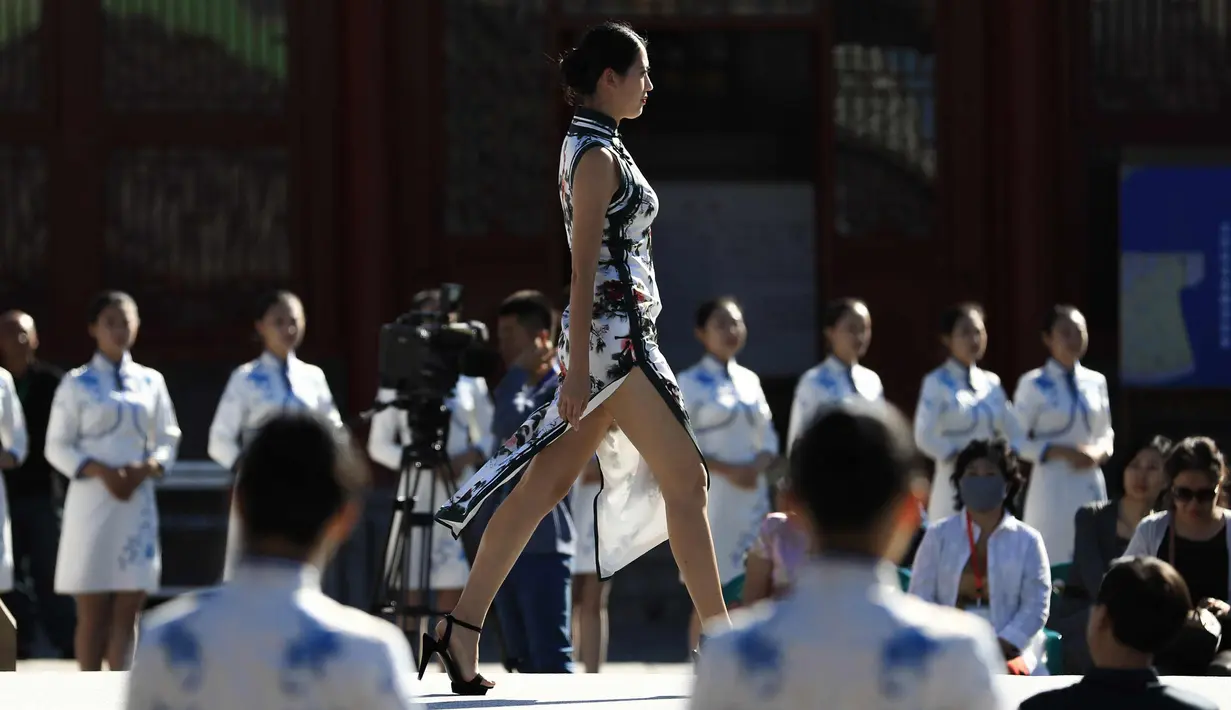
{"x":594,"y":182}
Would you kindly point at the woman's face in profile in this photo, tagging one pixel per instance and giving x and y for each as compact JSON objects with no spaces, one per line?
{"x":632,"y":90}
{"x":968,"y":341}
{"x":1144,"y":478}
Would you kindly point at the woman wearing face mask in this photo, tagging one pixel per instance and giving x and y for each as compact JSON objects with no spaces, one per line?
{"x":274,"y":382}
{"x":1066,"y":413}
{"x":1103,"y":532}
{"x":112,"y":430}
{"x":1193,"y":535}
{"x":848,"y":331}
{"x":959,"y":402}
{"x":985,"y":560}
{"x":735,"y":431}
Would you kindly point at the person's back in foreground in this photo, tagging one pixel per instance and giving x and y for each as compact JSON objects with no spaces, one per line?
{"x":847,"y":637}
{"x":270,"y":638}
{"x":1142,"y":604}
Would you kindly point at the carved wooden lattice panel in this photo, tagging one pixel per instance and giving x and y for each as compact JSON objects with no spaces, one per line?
{"x":195,"y":235}
{"x":884,"y":68}
{"x":23,"y":228}
{"x":21,"y":54}
{"x":195,"y":55}
{"x":500,"y":171}
{"x":1161,"y":56}
{"x":691,"y":7}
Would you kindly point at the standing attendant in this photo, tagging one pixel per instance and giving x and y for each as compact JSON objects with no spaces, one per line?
{"x":36,"y":496}
{"x":112,"y":431}
{"x":1065,"y":411}
{"x":735,"y":430}
{"x":14,"y":443}
{"x":614,"y":373}
{"x":276,"y":381}
{"x":959,"y":403}
{"x":839,"y":377}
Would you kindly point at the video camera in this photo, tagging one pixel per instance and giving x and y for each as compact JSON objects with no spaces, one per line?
{"x":423,"y":352}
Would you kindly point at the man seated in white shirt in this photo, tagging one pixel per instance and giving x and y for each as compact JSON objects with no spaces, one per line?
{"x":269,"y":637}
{"x":847,"y":637}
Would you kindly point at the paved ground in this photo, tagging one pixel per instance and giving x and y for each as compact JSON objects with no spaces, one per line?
{"x":488,"y":669}
{"x":663,"y":691}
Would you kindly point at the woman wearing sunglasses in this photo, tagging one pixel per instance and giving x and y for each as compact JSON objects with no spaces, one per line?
{"x":1193,"y":535}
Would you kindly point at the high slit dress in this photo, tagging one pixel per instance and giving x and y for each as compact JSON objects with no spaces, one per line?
{"x":629,"y":513}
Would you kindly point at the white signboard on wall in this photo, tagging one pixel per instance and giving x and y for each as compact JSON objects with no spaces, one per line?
{"x":755,"y":241}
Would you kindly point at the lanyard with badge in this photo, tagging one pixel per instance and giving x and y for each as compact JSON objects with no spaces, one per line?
{"x":974,"y":563}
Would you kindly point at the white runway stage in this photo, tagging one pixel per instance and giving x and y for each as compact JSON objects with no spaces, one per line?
{"x":614,"y":691}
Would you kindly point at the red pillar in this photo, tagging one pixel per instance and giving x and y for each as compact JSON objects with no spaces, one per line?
{"x":364,"y":234}
{"x":1032,"y":252}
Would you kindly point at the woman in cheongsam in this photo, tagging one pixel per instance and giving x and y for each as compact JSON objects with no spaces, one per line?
{"x":112,"y":432}
{"x":735,"y":431}
{"x":276,"y":381}
{"x":960,"y":402}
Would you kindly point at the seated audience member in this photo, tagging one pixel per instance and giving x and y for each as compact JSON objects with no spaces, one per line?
{"x":847,"y":633}
{"x":780,"y":549}
{"x":986,"y":561}
{"x":1141,"y":604}
{"x":1103,"y":530}
{"x":269,"y":638}
{"x":1193,"y":536}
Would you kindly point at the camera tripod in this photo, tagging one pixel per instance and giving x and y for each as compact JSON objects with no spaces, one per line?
{"x":425,"y":460}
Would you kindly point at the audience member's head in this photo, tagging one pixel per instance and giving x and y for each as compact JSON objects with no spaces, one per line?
{"x":298,"y":490}
{"x":1195,"y":469}
{"x":1144,"y":477}
{"x":524,"y":318}
{"x":1141,"y":606}
{"x":850,"y":474}
{"x":985,"y":476}
{"x":18,"y":338}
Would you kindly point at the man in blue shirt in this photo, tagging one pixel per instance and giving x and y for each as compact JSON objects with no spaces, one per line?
{"x":534,"y":605}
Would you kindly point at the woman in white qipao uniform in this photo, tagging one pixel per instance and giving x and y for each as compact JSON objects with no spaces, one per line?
{"x":1065,"y":411}
{"x":839,"y":377}
{"x":274,"y":382}
{"x":13,"y":448}
{"x":112,"y":431}
{"x":960,"y":402}
{"x":615,"y":374}
{"x":735,"y":430}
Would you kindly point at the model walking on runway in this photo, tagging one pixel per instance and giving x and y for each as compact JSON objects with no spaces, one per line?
{"x":618,"y":396}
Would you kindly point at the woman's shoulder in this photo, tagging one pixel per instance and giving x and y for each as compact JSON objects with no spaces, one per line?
{"x":1097,"y":509}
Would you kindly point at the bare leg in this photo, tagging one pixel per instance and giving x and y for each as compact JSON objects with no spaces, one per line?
{"x":546,"y":481}
{"x":590,"y":620}
{"x":123,"y":629}
{"x":663,"y":442}
{"x":93,"y":624}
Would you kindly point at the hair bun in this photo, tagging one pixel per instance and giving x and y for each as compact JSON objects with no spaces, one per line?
{"x":572,"y":69}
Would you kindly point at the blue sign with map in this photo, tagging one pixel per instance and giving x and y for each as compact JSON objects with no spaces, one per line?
{"x":1175,"y":276}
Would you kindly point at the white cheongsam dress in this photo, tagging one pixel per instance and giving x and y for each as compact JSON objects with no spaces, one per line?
{"x":257,"y":391}
{"x":115,"y":415}
{"x":1070,"y":408}
{"x":469,"y":428}
{"x":15,"y":440}
{"x":958,"y":405}
{"x":733,"y":424}
{"x":828,"y":382}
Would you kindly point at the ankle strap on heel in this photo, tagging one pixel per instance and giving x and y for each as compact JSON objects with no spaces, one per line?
{"x":454,"y":620}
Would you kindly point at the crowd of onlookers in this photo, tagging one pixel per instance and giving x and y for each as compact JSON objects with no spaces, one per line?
{"x":1028,"y":559}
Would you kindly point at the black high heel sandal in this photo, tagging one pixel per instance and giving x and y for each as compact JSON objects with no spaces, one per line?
{"x":432,"y":646}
